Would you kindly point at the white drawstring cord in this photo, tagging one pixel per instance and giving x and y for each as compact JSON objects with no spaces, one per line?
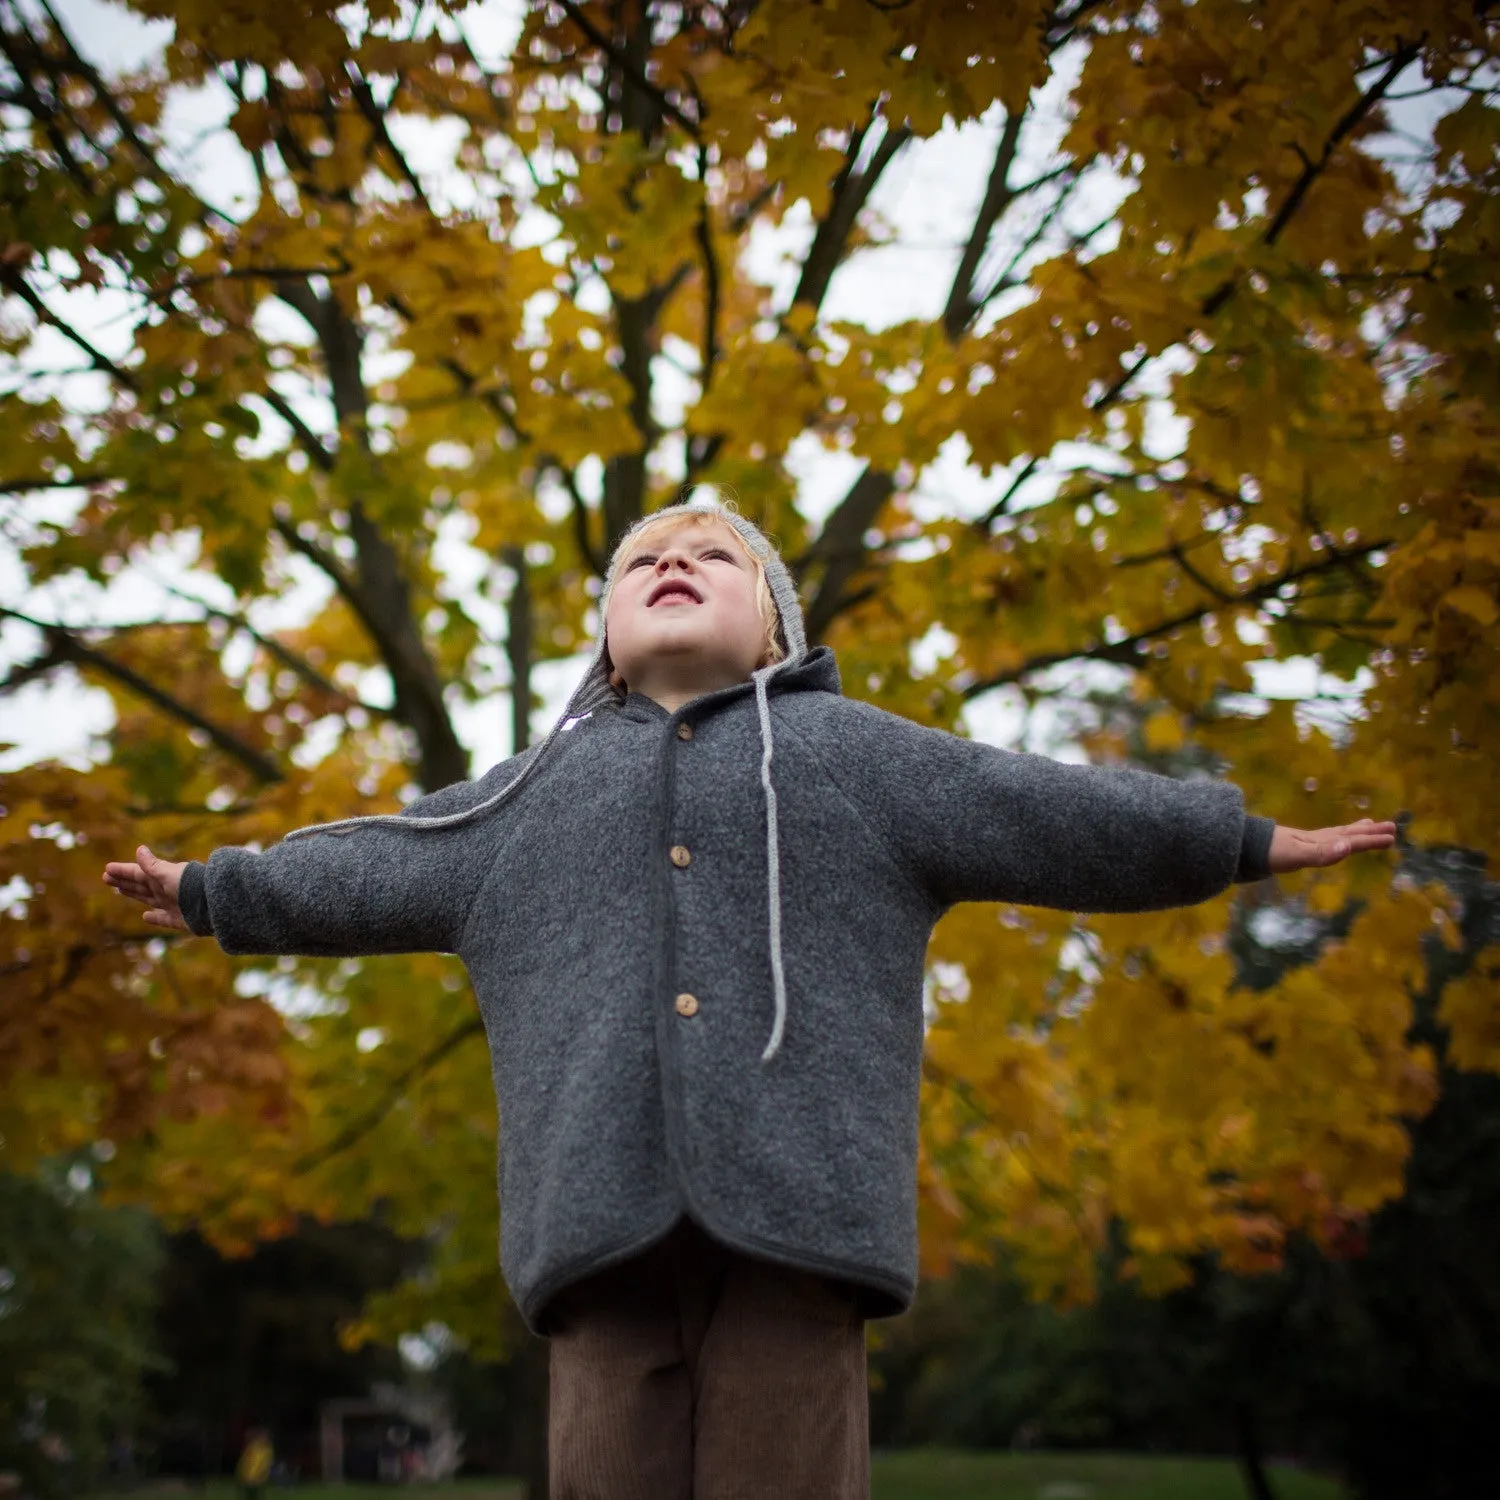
{"x":773,"y":863}
{"x":582,"y":703}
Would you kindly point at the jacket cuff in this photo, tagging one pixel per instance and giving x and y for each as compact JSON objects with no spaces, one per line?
{"x":1255,"y":849}
{"x":192,"y":900}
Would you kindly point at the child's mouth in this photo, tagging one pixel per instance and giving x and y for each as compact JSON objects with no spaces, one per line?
{"x":673,"y":593}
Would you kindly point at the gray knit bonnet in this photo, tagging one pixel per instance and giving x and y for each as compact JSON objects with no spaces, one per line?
{"x":595,"y":691}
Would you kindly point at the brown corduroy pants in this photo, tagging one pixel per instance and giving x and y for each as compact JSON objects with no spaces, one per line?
{"x":694,"y":1373}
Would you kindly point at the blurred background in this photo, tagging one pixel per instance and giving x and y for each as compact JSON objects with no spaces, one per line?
{"x":1119,"y":380}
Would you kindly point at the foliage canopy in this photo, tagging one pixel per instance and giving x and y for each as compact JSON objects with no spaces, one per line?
{"x":1217,"y":341}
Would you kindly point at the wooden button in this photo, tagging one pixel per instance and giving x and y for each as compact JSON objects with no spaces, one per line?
{"x":684,"y":731}
{"x":681,"y":857}
{"x":687,"y":1005}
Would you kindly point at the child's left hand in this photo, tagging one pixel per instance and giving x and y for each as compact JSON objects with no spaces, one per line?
{"x":1298,"y":849}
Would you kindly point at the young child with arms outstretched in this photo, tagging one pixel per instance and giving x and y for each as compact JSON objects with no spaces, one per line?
{"x":696,"y":925}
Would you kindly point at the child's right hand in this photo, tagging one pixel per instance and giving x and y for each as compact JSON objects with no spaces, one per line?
{"x":153,"y":882}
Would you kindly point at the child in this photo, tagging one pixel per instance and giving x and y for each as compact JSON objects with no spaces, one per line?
{"x":702,"y":987}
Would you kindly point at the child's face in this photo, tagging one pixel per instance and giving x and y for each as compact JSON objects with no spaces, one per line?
{"x":683,"y":610}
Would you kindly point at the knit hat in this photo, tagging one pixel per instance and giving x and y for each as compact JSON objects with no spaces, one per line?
{"x":595,"y":691}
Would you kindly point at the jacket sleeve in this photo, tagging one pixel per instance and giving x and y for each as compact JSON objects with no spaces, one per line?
{"x":374,"y":888}
{"x":971,"y":822}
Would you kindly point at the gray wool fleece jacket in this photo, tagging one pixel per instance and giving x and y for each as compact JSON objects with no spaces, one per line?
{"x":582,"y":925}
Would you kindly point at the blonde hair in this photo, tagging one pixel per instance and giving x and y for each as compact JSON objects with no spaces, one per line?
{"x":671,"y":515}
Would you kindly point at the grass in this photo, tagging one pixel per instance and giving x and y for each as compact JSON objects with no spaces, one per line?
{"x":927,"y":1474}
{"x":936,"y":1474}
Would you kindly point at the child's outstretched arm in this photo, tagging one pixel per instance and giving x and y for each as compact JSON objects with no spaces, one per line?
{"x":378,"y":887}
{"x":975,"y":823}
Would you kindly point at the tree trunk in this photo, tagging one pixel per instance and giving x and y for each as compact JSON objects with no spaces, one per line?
{"x":518,"y":649}
{"x":1251,"y":1457}
{"x":533,"y":1360}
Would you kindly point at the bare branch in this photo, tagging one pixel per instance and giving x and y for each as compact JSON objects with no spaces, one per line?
{"x":702,"y":449}
{"x":380,"y":598}
{"x":1003,"y":504}
{"x":341,"y":342}
{"x":274,"y":274}
{"x":1010,"y":277}
{"x":277,"y":650}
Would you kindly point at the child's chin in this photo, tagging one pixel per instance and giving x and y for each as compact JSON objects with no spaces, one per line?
{"x":680,"y":628}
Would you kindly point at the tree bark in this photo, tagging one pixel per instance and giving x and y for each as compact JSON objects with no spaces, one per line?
{"x":841,"y":547}
{"x":533,"y":1359}
{"x":518,"y":649}
{"x":418,"y":690}
{"x":1251,"y":1457}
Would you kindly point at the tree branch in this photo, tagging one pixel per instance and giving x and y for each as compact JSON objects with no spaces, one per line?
{"x":591,"y":554}
{"x":628,"y":67}
{"x":998,"y":197}
{"x":395,"y":1091}
{"x":703,"y":448}
{"x":1124,"y":651}
{"x":64,"y":646}
{"x":841,"y":547}
{"x":310,"y":443}
{"x":1216,"y":299}
{"x":378,"y":592}
{"x":273,"y":274}
{"x":1064,"y":24}
{"x":380,"y":599}
{"x":13,"y":281}
{"x":31,"y":483}
{"x":292,"y":660}
{"x":849,"y":193}
{"x":33,"y":671}
{"x":42,"y":111}
{"x":1400,"y":58}
{"x":625,"y":474}
{"x":364,"y":97}
{"x":710,"y":278}
{"x":518,"y":648}
{"x":341,"y":342}
{"x":102,"y":92}
{"x":1008,"y":278}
